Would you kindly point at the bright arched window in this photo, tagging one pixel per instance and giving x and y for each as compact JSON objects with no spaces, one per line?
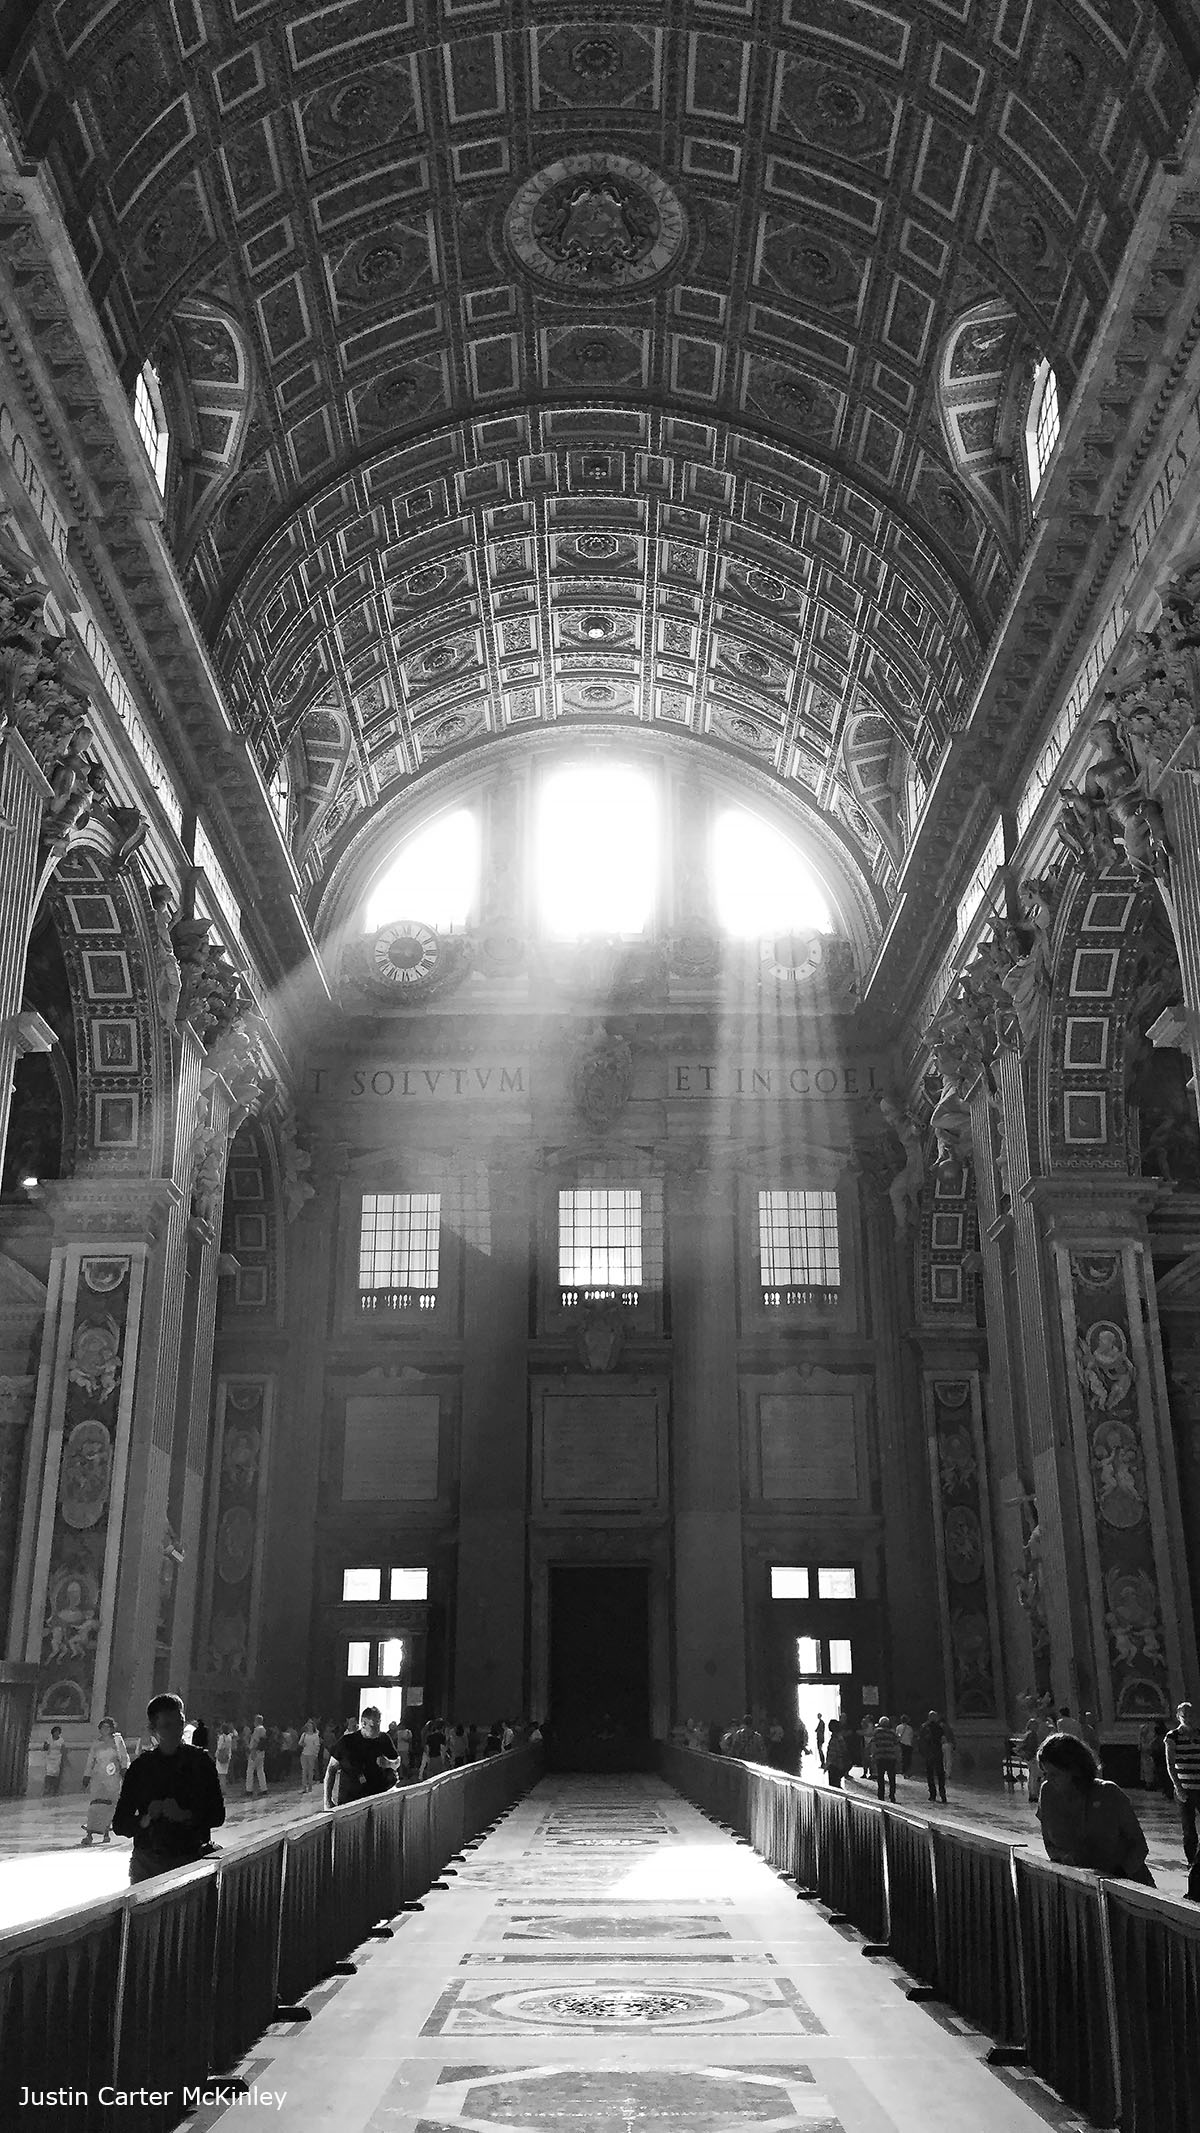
{"x":597,"y":850}
{"x":280,"y":790}
{"x":1043,"y":424}
{"x":761,"y":884}
{"x":149,"y":414}
{"x":434,"y":878}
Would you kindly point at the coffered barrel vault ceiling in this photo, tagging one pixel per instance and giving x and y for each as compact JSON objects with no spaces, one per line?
{"x":656,"y":362}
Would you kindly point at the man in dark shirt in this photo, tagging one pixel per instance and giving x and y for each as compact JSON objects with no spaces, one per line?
{"x":361,"y":1762}
{"x":171,"y":1798}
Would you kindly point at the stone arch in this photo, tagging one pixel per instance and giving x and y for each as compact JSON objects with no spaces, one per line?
{"x":1114,"y":967}
{"x":252,"y":1230}
{"x":982,"y":379}
{"x":124,"y":1077}
{"x":831,"y":850}
{"x":207,"y":371}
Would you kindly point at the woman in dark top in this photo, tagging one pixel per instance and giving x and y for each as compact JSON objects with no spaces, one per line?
{"x":1086,"y":1821}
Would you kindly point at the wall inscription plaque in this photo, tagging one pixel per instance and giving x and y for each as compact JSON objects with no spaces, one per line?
{"x":807,"y":1445}
{"x":599,"y":1447}
{"x":391,"y":1449}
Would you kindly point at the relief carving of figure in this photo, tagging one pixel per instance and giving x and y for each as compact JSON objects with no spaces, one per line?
{"x":904,"y":1192}
{"x":1132,"y":1617}
{"x":72,"y":1622}
{"x":1104,"y":1365}
{"x":239,"y":1457}
{"x":86,"y":1468}
{"x":603,"y":1078}
{"x":95,"y":1362}
{"x":957,"y":1462}
{"x":1118,"y":1475}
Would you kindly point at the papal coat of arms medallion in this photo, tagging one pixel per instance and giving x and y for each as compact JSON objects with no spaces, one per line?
{"x":596,"y":224}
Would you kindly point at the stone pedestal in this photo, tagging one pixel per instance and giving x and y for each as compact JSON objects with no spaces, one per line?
{"x":710,"y":1645}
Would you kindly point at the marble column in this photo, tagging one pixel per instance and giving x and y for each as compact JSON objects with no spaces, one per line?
{"x":23,"y":796}
{"x":1039,"y":1369}
{"x":489,"y":1638}
{"x":710,"y":1628}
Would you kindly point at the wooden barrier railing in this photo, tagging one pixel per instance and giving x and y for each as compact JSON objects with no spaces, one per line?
{"x":165,"y":1986}
{"x":1095,"y":1983}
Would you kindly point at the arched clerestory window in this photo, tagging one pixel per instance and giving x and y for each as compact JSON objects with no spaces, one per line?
{"x":1042,"y":425}
{"x":150,"y":416}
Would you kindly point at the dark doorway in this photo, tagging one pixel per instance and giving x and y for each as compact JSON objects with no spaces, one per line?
{"x":599,"y":1669}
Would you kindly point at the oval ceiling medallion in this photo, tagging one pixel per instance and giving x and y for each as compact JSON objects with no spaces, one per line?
{"x":596,"y":224}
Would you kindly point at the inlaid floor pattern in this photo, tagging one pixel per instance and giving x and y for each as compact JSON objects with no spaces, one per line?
{"x":609,"y":1962}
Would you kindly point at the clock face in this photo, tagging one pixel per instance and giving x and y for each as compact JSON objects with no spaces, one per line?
{"x":794,"y":957}
{"x":404,"y":954}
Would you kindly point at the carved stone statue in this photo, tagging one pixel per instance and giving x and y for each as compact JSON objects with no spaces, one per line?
{"x":1028,"y":981}
{"x":296,"y":1162}
{"x":167,"y":979}
{"x":1116,"y":806}
{"x":904,"y":1192}
{"x":208,"y":1178}
{"x":951,"y":1119}
{"x":189,"y":939}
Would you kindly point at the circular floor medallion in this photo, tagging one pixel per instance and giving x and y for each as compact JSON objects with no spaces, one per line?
{"x":626,"y":2006}
{"x":596,"y":224}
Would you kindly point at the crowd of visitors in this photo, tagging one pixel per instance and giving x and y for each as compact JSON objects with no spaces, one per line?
{"x":1086,"y":1820}
{"x":168,"y":1793}
{"x":881,"y":1749}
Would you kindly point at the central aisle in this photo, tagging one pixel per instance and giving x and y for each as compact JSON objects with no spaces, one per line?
{"x":608,"y":1960}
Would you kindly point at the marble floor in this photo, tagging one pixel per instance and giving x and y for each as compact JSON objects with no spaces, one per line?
{"x":43,"y":1869}
{"x":610,"y":1962}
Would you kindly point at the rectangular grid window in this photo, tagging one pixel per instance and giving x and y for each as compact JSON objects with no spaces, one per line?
{"x":837,"y":1585}
{"x":398,"y":1251}
{"x":409,"y":1585}
{"x":798,"y":1247}
{"x":1046,"y":431}
{"x":600,"y":1243}
{"x":841,"y":1657}
{"x":788,"y":1583}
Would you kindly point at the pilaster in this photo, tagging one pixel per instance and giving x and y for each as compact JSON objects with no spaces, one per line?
{"x":710,"y":1634}
{"x":1039,"y":1369}
{"x":23,"y":796}
{"x":1007,"y":1446}
{"x":1142,"y":1635}
{"x":489,"y":1641}
{"x":88,"y":1548}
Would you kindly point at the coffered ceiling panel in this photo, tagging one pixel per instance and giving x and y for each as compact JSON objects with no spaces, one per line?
{"x":649,"y":362}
